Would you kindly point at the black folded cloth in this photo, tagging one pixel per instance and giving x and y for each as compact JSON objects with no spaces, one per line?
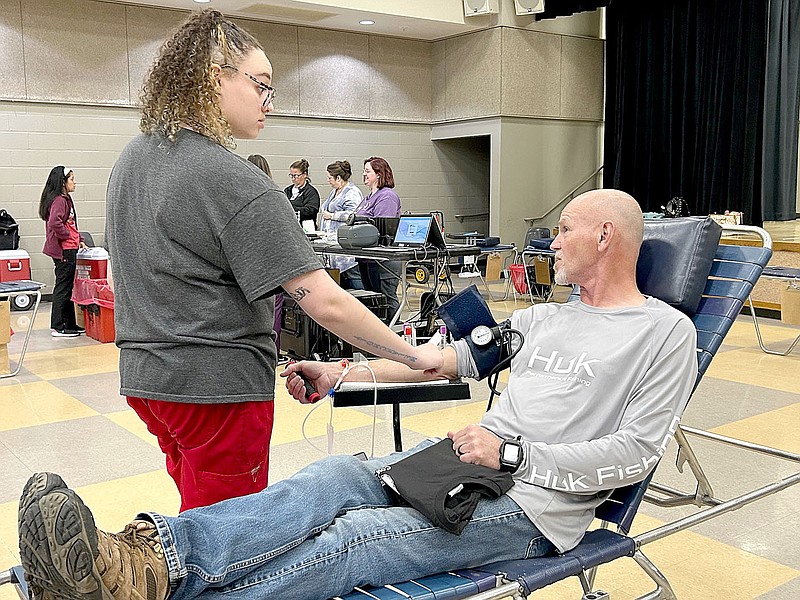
{"x":445,"y":490}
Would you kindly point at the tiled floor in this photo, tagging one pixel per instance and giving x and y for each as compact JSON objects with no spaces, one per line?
{"x":64,"y":414}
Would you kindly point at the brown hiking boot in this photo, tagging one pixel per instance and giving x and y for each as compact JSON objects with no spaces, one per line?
{"x":65,"y":556}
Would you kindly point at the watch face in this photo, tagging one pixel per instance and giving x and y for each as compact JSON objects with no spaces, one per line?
{"x":511,"y":454}
{"x":481,"y":335}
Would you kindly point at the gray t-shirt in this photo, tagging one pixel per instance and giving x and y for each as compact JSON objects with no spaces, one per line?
{"x":596,"y":395}
{"x":200,"y":240}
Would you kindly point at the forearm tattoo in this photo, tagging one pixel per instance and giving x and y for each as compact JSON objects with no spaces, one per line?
{"x":386,"y":349}
{"x":299,"y":294}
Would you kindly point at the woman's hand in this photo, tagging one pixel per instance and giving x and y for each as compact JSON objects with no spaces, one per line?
{"x":321,"y":375}
{"x":83,"y":245}
{"x":327,"y":215}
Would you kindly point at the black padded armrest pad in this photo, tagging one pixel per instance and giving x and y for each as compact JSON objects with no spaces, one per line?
{"x":676,"y":258}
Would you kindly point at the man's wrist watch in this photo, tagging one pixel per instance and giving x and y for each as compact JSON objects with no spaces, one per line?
{"x":511,"y":454}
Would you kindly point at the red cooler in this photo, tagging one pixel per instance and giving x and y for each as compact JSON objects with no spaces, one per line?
{"x":14,"y":265}
{"x":92,"y":263}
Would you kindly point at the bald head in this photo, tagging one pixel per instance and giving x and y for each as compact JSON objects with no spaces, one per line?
{"x":598,"y":244}
{"x":598,"y":206}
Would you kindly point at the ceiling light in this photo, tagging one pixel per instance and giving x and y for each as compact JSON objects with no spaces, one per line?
{"x":202,"y":1}
{"x":367,"y":22}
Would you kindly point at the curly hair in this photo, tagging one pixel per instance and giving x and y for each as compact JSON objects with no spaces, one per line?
{"x":180,"y":87}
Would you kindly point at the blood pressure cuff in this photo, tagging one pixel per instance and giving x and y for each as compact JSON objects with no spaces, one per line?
{"x":445,"y":490}
{"x":461,"y":314}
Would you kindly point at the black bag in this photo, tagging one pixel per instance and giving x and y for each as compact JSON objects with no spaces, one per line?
{"x":9,"y":232}
{"x":445,"y":490}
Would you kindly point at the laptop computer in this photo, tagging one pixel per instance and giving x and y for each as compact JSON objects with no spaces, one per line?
{"x":415,"y":231}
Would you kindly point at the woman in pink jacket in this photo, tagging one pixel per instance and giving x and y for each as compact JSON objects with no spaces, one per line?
{"x":61,"y":243}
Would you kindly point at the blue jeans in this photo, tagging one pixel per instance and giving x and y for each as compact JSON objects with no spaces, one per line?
{"x":325,"y":530}
{"x":382,"y":277}
{"x":351,"y":279}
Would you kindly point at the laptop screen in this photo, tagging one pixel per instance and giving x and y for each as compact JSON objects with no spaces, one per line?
{"x":412,"y":230}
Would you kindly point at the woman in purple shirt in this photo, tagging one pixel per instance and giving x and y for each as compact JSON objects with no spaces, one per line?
{"x":382,"y":201}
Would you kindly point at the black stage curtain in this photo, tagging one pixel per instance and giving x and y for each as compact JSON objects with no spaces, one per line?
{"x":780,"y":114}
{"x":684,"y":103}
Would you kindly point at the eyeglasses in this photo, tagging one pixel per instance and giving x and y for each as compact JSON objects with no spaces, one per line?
{"x":267,"y":91}
{"x":295,"y":175}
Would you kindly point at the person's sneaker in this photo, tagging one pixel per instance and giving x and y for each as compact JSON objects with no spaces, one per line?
{"x":65,"y":333}
{"x":65,"y":556}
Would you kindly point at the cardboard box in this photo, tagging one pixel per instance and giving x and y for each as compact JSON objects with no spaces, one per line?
{"x":4,"y":366}
{"x":790,"y":304}
{"x":541,"y":266}
{"x":729,"y":218}
{"x":79,"y":316}
{"x":5,"y":323}
{"x":493,"y":264}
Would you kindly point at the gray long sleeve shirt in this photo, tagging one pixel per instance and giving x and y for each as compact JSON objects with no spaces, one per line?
{"x":596,"y":395}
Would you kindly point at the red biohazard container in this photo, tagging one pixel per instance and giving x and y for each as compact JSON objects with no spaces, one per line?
{"x":518,"y":278}
{"x":91,"y":263}
{"x":14,"y":265}
{"x":96,"y":299}
{"x":99,"y":322}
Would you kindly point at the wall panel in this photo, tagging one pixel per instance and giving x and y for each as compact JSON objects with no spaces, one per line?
{"x":473,"y":79}
{"x":531,"y":73}
{"x":147,"y":29}
{"x":12,"y":75}
{"x":281,"y":45}
{"x":400,"y":79}
{"x":334,"y":73}
{"x":582,"y":78}
{"x":75,"y":51}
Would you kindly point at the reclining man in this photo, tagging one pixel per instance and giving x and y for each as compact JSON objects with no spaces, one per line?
{"x":593,"y":397}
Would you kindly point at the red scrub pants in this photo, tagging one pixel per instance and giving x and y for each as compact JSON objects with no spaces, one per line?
{"x":213,"y":451}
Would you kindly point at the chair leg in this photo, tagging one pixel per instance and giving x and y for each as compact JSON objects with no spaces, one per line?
{"x":703,"y":495}
{"x":587,"y":579}
{"x":663,"y":589}
{"x":758,"y":334}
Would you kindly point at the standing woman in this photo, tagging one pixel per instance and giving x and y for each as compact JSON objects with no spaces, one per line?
{"x":303,"y":196}
{"x":61,"y":243}
{"x":342,"y":201}
{"x":200,"y":247}
{"x":382,"y":201}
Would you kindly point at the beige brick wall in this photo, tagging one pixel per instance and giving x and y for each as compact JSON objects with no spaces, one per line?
{"x":34,"y":137}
